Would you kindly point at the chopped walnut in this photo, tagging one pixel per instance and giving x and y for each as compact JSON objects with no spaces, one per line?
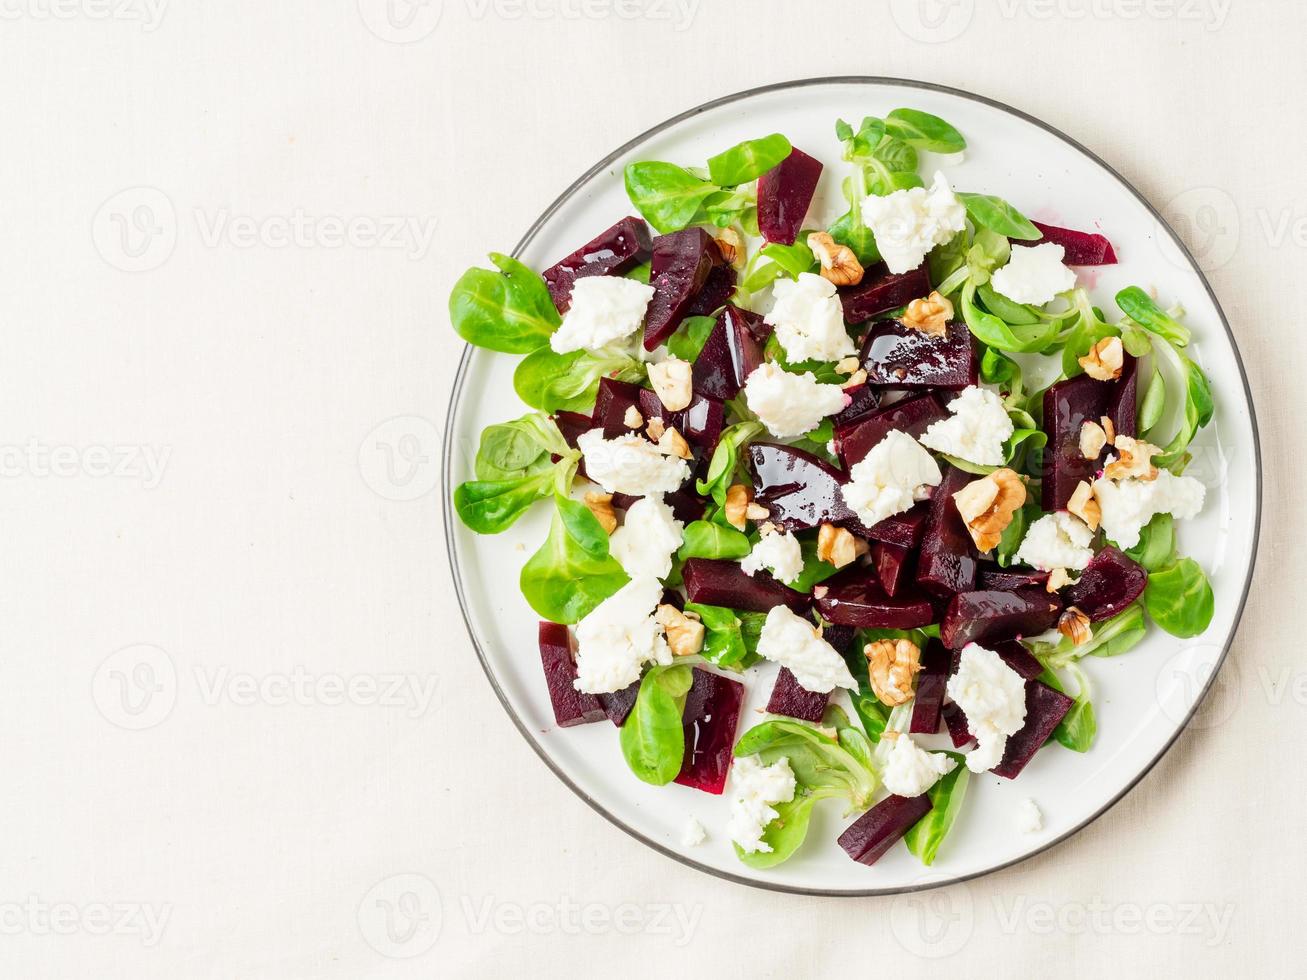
{"x":1104,"y":360}
{"x":1109,"y":429}
{"x":1092,"y":439}
{"x":738,"y":498}
{"x":767,"y":527}
{"x":929,"y":315}
{"x":756,"y":512}
{"x":1085,"y":506}
{"x":673,"y":383}
{"x":1074,"y":625}
{"x":988,"y":504}
{"x":1134,"y":458}
{"x":654,"y":430}
{"x":601,"y":505}
{"x":672,"y":443}
{"x":632,"y":419}
{"x":731,"y":245}
{"x":1059,"y":578}
{"x":837,"y":546}
{"x":684,"y":631}
{"x":891,"y":665}
{"x":847,"y":366}
{"x":838,"y":263}
{"x":858,"y":377}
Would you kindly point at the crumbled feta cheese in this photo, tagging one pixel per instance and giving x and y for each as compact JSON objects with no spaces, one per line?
{"x":619,"y":637}
{"x":1034,"y":274}
{"x":630,"y":464}
{"x":647,"y":539}
{"x":693,"y":835}
{"x":1129,"y":505}
{"x":1057,"y":540}
{"x":909,"y":770}
{"x":756,"y":788}
{"x":909,"y":223}
{"x":976,"y":429}
{"x":1029,"y":817}
{"x":809,"y":319}
{"x":890,"y":479}
{"x":993,"y":697}
{"x":790,"y":404}
{"x":778,"y":553}
{"x":793,"y":642}
{"x":604,"y":309}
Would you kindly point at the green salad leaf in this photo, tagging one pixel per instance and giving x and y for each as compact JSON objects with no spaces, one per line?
{"x":573,"y":571}
{"x":653,"y":738}
{"x":925,"y":836}
{"x":1156,"y":547}
{"x":514,"y":470}
{"x":996,"y":214}
{"x":725,"y":459}
{"x":708,"y":539}
{"x":1111,"y":638}
{"x":1179,"y":598}
{"x":924,"y":131}
{"x":688,"y":340}
{"x":668,"y":196}
{"x":727,"y":640}
{"x":509,"y":311}
{"x":748,"y":160}
{"x":568,"y":382}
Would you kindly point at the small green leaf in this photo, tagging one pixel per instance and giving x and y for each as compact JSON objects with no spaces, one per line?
{"x":998,"y":215}
{"x":1139,"y":306}
{"x":573,"y":571}
{"x":925,"y":836}
{"x":748,"y":160}
{"x":1179,"y":599}
{"x":668,"y":196}
{"x":509,"y":311}
{"x":653,"y":737}
{"x":690,"y":336}
{"x":924,"y":131}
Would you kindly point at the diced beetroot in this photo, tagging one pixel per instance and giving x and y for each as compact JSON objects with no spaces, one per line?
{"x":905,"y":530}
{"x":1067,"y":406}
{"x":986,"y":617}
{"x":1008,"y":579}
{"x":1082,"y":248}
{"x":956,"y":723}
{"x":1045,"y":709}
{"x":713,"y":582}
{"x":571,"y":707}
{"x":899,"y":357}
{"x":881,"y":291}
{"x":931,"y":682}
{"x":872,"y":834}
{"x":1123,"y":406}
{"x":784,"y":193}
{"x":798,"y":489}
{"x":612,"y":401}
{"x":912,"y":415}
{"x":1015,"y":655}
{"x":572,"y":425}
{"x":1110,"y":582}
{"x":712,"y":709}
{"x":863,"y":401}
{"x":789,"y":697}
{"x":840,"y":637}
{"x":610,"y":253}
{"x":619,"y":704}
{"x":678,"y":270}
{"x":732,"y":352}
{"x":686,"y":505}
{"x":853,"y":598}
{"x":947,"y":562}
{"x":700,"y":423}
{"x":716,"y":291}
{"x":891,"y":564}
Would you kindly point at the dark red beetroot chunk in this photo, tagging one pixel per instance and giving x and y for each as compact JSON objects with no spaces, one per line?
{"x":881,"y":291}
{"x":853,"y":598}
{"x":1067,"y":406}
{"x":1082,"y":248}
{"x":1016,"y":656}
{"x":1110,"y":582}
{"x":1045,"y":709}
{"x":611,"y":403}
{"x":912,"y":415}
{"x":700,"y":423}
{"x":571,"y":425}
{"x":899,"y":357}
{"x":719,"y":287}
{"x":948,"y":561}
{"x":732,"y":352}
{"x":840,"y":637}
{"x":784,"y":193}
{"x":711,"y":582}
{"x":619,"y":704}
{"x":905,"y":530}
{"x":686,"y":505}
{"x":1123,"y":406}
{"x":1008,"y":579}
{"x":956,"y":723}
{"x":789,"y":697}
{"x":891,"y":564}
{"x":798,"y":489}
{"x":863,"y":401}
{"x":986,"y":617}
{"x":611,"y":253}
{"x":931,"y":682}
{"x":872,"y":834}
{"x":712,"y":709}
{"x":678,"y":270}
{"x":571,"y":707}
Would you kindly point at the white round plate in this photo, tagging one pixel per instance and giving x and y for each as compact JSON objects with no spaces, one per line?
{"x":1142,"y":699}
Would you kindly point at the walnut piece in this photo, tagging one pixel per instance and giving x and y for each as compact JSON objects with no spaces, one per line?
{"x":632,"y":419}
{"x":756,"y":512}
{"x":601,"y":505}
{"x":1092,"y":439}
{"x":654,"y":430}
{"x":838,"y":547}
{"x":731,"y":245}
{"x":1104,"y":360}
{"x":672,"y":382}
{"x":1059,"y":578}
{"x":1085,"y":506}
{"x":738,"y":498}
{"x":1074,"y":625}
{"x":672,"y":443}
{"x":929,"y":315}
{"x":838,"y":263}
{"x":858,"y":377}
{"x":1134,"y":458}
{"x":987,"y":506}
{"x":1109,"y":429}
{"x":684,"y":631}
{"x":891,"y":665}
{"x":847,"y":366}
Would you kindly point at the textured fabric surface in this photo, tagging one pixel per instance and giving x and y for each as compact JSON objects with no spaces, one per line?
{"x":270,"y":553}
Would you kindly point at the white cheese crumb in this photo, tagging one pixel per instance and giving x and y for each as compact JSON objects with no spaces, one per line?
{"x":976,"y":429}
{"x":756,"y":788}
{"x":630,"y":463}
{"x":793,"y":642}
{"x":809,"y":319}
{"x":1129,"y":505}
{"x":647,"y":539}
{"x":993,"y":697}
{"x":1057,"y":540}
{"x":1034,"y":274}
{"x":790,"y":404}
{"x":603,"y":309}
{"x":619,"y":637}
{"x":910,"y":222}
{"x":693,"y":835}
{"x":781,"y":554}
{"x":890,"y":479}
{"x":909,"y":770}
{"x":1029,"y":818}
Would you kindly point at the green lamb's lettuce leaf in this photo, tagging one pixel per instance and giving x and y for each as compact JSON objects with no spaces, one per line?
{"x":726,"y":636}
{"x":748,"y":160}
{"x":653,"y":738}
{"x":1139,"y":307}
{"x":725,"y":459}
{"x":568,"y":382}
{"x":924,"y":131}
{"x":1111,"y":638}
{"x":573,"y":571}
{"x":509,"y":311}
{"x":668,"y":196}
{"x":1179,"y":598}
{"x":709,"y":539}
{"x":514,"y":470}
{"x":998,"y":215}
{"x":688,"y":340}
{"x":925,"y":836}
{"x":1077,"y":729}
{"x":1156,"y":547}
